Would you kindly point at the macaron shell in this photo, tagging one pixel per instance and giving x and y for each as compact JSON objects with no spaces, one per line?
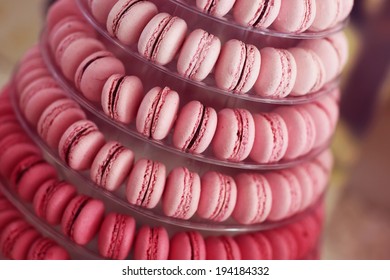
{"x":116,"y":236}
{"x":80,"y":143}
{"x":256,"y":13}
{"x":7,"y":216}
{"x":182,"y":193}
{"x":23,"y":243}
{"x":284,"y":246}
{"x":217,"y":196}
{"x":46,"y":249}
{"x":30,"y":77}
{"x":151,"y":244}
{"x":281,"y":196}
{"x":327,"y":15}
{"x":215,"y":7}
{"x":187,"y":246}
{"x":254,"y":199}
{"x":195,"y":127}
{"x":222,"y":248}
{"x":198,"y":55}
{"x":128,"y":18}
{"x":60,"y":10}
{"x":146,"y":183}
{"x":100,"y":9}
{"x":10,"y":235}
{"x":121,"y":97}
{"x":295,"y":190}
{"x":254,"y":247}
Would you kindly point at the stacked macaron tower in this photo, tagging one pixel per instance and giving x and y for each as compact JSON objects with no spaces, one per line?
{"x":172,"y":129}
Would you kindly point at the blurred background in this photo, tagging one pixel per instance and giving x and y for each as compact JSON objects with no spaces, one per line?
{"x":358,"y":200}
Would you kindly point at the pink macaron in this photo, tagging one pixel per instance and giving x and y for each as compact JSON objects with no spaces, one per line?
{"x":80,"y":143}
{"x":127,"y":18}
{"x":187,"y":246}
{"x":257,"y":13}
{"x":60,"y":10}
{"x":195,"y":127}
{"x":51,"y":199}
{"x":254,"y":198}
{"x":295,"y":16}
{"x":28,"y":78}
{"x":94,"y":71}
{"x":198,"y":55}
{"x":215,"y":7}
{"x":100,"y":9}
{"x":82,"y":219}
{"x":222,"y":248}
{"x":157,"y":112}
{"x":235,"y":134}
{"x":254,"y":246}
{"x":238,"y":66}
{"x":116,"y":236}
{"x":151,"y":244}
{"x":218,"y":196}
{"x":111,"y":165}
{"x":146,"y":183}
{"x":56,"y":119}
{"x":46,"y":249}
{"x":271,"y":138}
{"x":29,"y":174}
{"x":278,"y":73}
{"x":182,"y":193}
{"x":328,"y":13}
{"x":162,"y":38}
{"x":121,"y":97}
{"x":283,"y":243}
{"x":7,"y":216}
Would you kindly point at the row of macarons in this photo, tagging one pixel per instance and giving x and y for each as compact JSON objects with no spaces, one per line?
{"x":118,"y":237}
{"x":232,"y":134}
{"x":249,"y":198}
{"x":237,"y":67}
{"x":286,"y":16}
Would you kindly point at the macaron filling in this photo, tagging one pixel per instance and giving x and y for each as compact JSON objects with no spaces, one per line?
{"x":75,"y":214}
{"x":262,"y":13}
{"x":125,"y":9}
{"x":113,"y":96}
{"x":105,"y":167}
{"x":186,"y":196}
{"x":223,"y":197}
{"x":117,"y":236}
{"x":155,"y":41}
{"x":241,"y":134}
{"x":200,"y":128}
{"x":151,"y":252}
{"x":150,"y":178}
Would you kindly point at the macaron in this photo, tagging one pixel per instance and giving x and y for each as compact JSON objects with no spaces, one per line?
{"x":195,"y":127}
{"x":51,"y":199}
{"x":235,"y":134}
{"x":5,"y":204}
{"x":30,"y":77}
{"x":218,"y":196}
{"x":328,"y":13}
{"x":257,"y":13}
{"x":295,"y":16}
{"x":340,"y":43}
{"x":215,"y":7}
{"x":162,"y":38}
{"x":94,"y":71}
{"x":82,"y":219}
{"x":121,"y":97}
{"x":254,"y":198}
{"x":127,"y":18}
{"x":46,"y":249}
{"x":60,"y":10}
{"x":254,"y":246}
{"x":310,"y":71}
{"x":181,"y":195}
{"x":222,"y":248}
{"x":157,"y":112}
{"x":277,"y":74}
{"x":100,"y":9}
{"x":198,"y":55}
{"x":306,"y":186}
{"x":111,"y":165}
{"x":321,"y":120}
{"x":271,"y":138}
{"x":151,"y":244}
{"x":238,"y":67}
{"x":283,"y":243}
{"x":146,"y":183}
{"x":80,"y":143}
{"x":301,"y":130}
{"x":187,"y":246}
{"x":7,"y":216}
{"x":56,"y":119}
{"x":29,"y":174}
{"x":116,"y":236}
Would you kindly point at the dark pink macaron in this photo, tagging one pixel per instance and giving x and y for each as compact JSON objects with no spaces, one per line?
{"x":187,"y":246}
{"x":254,"y":246}
{"x":46,"y":249}
{"x":151,"y":244}
{"x":222,"y":248}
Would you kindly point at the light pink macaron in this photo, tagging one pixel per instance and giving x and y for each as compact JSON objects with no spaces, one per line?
{"x":235,"y":134}
{"x":328,"y":14}
{"x":151,"y":244}
{"x":238,"y":66}
{"x":157,"y":112}
{"x":295,"y":16}
{"x":111,"y":165}
{"x":277,"y":74}
{"x":162,"y":38}
{"x":146,"y":183}
{"x":127,"y":18}
{"x":94,"y":71}
{"x":198,"y":55}
{"x":215,"y":7}
{"x":256,"y":13}
{"x":121,"y":97}
{"x":195,"y":127}
{"x":254,"y":198}
{"x":182,"y":193}
{"x":218,"y":196}
{"x":187,"y":246}
{"x":271,"y":138}
{"x":80,"y":143}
